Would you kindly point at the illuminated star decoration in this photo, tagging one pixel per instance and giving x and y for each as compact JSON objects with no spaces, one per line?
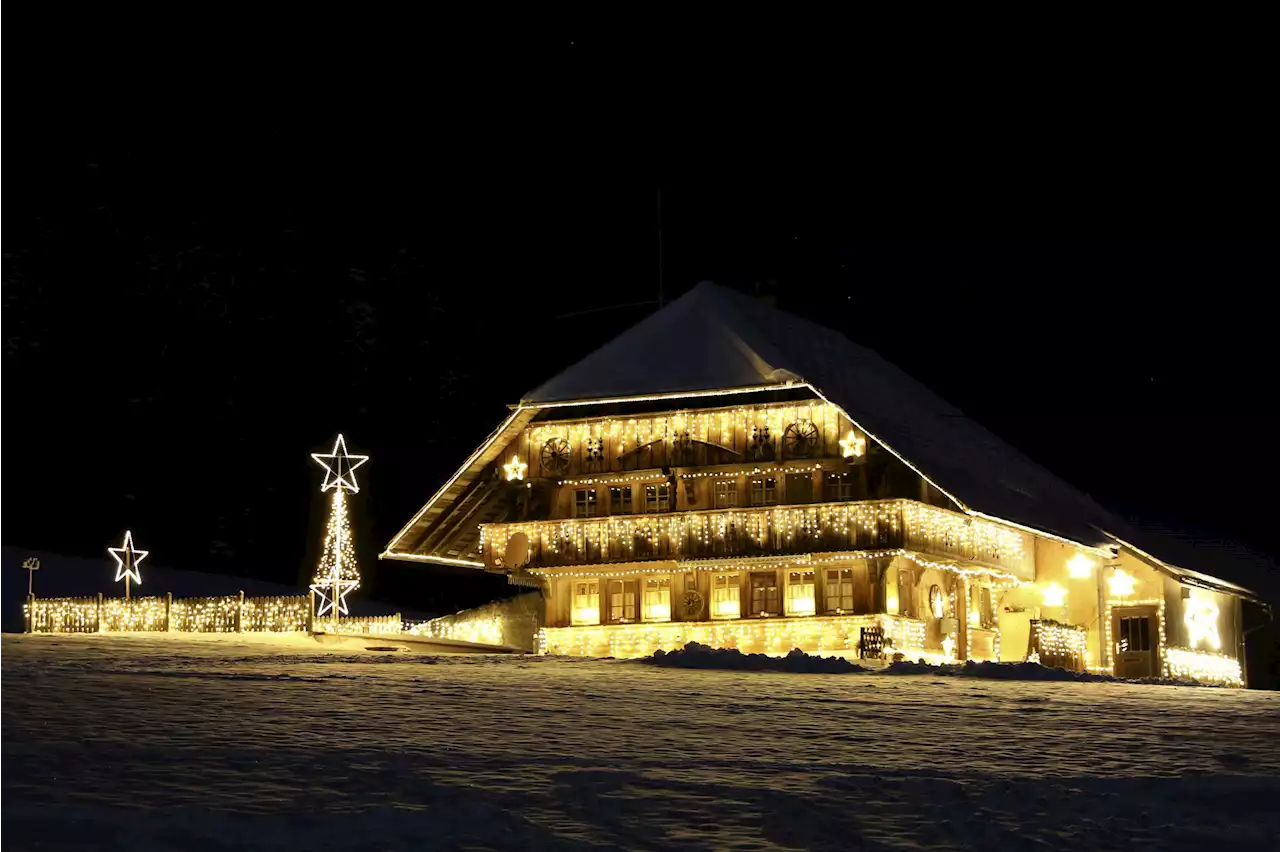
{"x":1201,"y":619}
{"x":853,"y":445}
{"x":333,"y":594}
{"x":1080,"y":567}
{"x":339,"y":467}
{"x":1121,"y":584}
{"x":127,"y":559}
{"x":515,"y":469}
{"x":949,"y":646}
{"x":1054,"y":595}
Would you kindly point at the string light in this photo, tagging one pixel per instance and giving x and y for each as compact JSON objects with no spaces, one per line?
{"x":229,"y":614}
{"x":515,"y":469}
{"x":1203,"y":667}
{"x":1054,"y":639}
{"x":337,"y":575}
{"x":1111,"y":649}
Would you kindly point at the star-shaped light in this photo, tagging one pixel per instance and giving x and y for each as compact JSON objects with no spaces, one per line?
{"x":1054,"y":595}
{"x":853,"y":446}
{"x":339,"y":467}
{"x":333,"y":592}
{"x":515,"y":469}
{"x":1121,"y":584}
{"x":1201,"y":618}
{"x":1080,"y":567}
{"x":127,"y":559}
{"x":949,"y":646}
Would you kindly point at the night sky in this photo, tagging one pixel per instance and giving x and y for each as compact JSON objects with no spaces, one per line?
{"x":184,"y":327}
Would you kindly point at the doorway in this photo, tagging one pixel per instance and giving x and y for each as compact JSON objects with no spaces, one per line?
{"x":1136,"y":636}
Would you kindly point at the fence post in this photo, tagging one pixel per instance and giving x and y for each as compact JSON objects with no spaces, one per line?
{"x":311,"y":612}
{"x":31,"y":613}
{"x":240,"y":612}
{"x":168,"y":612}
{"x":98,"y":628}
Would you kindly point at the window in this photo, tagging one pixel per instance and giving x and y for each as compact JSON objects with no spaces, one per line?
{"x":988,"y":614}
{"x":584,"y":503}
{"x":623,"y":603}
{"x":764,"y":594}
{"x":657,"y":599}
{"x":799,"y":488}
{"x":586,"y":602}
{"x":1135,"y":634}
{"x":726,"y":494}
{"x":907,"y":592}
{"x":839,"y":590}
{"x":726,"y":596}
{"x":764,"y":492}
{"x":620,"y":501}
{"x":837,"y":487}
{"x":657,"y":498}
{"x":800,"y":597}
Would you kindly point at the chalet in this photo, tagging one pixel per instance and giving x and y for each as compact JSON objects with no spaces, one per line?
{"x":727,"y":473}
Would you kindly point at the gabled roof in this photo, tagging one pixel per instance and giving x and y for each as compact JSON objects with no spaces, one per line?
{"x":713,"y":339}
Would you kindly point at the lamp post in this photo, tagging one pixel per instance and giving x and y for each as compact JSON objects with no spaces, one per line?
{"x":32,"y":564}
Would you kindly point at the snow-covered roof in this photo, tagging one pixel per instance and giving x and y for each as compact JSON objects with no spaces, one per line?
{"x":713,"y":338}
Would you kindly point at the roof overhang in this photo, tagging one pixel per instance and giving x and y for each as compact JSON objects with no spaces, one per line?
{"x":1187,"y":576}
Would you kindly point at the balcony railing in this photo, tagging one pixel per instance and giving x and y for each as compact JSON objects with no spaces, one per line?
{"x":763,"y":531}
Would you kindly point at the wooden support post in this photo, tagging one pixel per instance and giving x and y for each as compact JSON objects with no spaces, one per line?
{"x":240,"y":613}
{"x":311,"y":612}
{"x":962,"y":619}
{"x":31,"y":612}
{"x":99,"y":615}
{"x":168,"y":612}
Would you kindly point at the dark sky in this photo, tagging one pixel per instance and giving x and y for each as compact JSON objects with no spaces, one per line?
{"x":184,"y":324}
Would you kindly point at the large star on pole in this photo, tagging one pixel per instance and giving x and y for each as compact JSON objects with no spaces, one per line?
{"x":339,"y":467}
{"x":127,"y":559}
{"x":333,"y":592}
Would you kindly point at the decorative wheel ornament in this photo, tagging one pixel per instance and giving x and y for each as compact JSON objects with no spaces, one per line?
{"x":761,"y":443}
{"x":691,"y":605}
{"x":555,"y":457}
{"x":800,"y":440}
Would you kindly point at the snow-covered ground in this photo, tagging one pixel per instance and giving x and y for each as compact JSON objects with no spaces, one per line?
{"x":139,"y":743}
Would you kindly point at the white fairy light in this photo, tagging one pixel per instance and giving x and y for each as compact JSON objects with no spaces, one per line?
{"x":515,"y":469}
{"x":337,"y":575}
{"x":127,"y":559}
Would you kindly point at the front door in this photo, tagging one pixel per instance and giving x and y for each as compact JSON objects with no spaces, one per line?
{"x":1134,"y":632}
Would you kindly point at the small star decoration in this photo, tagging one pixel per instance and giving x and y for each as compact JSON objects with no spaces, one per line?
{"x":339,"y":467}
{"x":853,"y":445}
{"x":515,"y":469}
{"x":127,"y":559}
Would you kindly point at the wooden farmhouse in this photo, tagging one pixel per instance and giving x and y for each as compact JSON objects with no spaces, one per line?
{"x":730,"y":474}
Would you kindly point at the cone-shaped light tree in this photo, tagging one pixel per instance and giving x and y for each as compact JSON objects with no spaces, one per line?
{"x":338,"y":573}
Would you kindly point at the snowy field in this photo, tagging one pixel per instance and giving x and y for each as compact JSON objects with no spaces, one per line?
{"x":140,"y":743}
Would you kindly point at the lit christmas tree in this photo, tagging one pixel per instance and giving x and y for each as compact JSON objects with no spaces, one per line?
{"x":338,"y":574}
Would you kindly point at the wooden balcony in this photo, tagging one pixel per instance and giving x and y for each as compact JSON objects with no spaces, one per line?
{"x":766,"y":531}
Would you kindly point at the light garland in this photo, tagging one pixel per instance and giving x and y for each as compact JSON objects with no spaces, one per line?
{"x":478,"y":631}
{"x":1203,"y":667}
{"x":229,"y":614}
{"x":766,"y":635}
{"x":337,"y":575}
{"x":1055,"y":640}
{"x":735,"y":473}
{"x":912,"y":525}
{"x":653,"y":476}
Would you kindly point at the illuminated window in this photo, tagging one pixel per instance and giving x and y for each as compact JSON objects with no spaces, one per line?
{"x":988,"y":613}
{"x":657,"y":599}
{"x":584,"y":503}
{"x":657,"y":498}
{"x":620,"y":500}
{"x":623,"y":601}
{"x":839,"y":590}
{"x":586,"y":602}
{"x":837,"y":487}
{"x":800,"y":596}
{"x":726,"y":596}
{"x":764,"y":594}
{"x":764,"y":492}
{"x":907,"y":592}
{"x":726,"y":494}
